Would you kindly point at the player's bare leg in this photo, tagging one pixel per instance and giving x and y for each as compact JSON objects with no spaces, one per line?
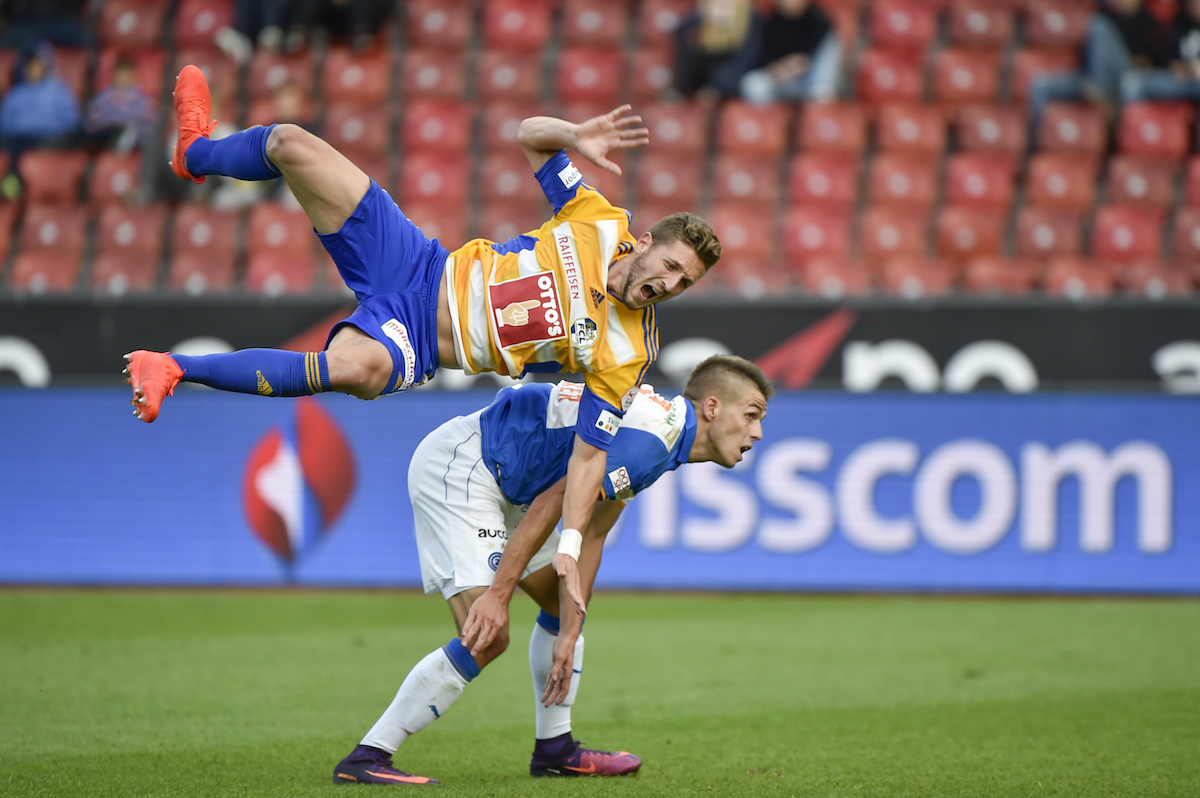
{"x":326,"y":183}
{"x":358,"y":364}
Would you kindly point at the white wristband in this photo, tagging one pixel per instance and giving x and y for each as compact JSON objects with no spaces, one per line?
{"x":569,"y":543}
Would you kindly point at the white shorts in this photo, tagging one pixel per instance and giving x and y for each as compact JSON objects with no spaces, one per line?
{"x":462,"y":518}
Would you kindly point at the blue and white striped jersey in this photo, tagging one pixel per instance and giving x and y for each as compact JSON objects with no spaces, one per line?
{"x":529,"y":432}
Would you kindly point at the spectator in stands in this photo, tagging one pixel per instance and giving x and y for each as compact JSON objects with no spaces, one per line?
{"x":57,"y":21}
{"x":707,"y":44}
{"x":273,"y":24}
{"x":792,"y":53}
{"x":121,"y":116}
{"x":39,"y":110}
{"x":356,"y":20}
{"x":1180,"y":78}
{"x":1123,"y":35}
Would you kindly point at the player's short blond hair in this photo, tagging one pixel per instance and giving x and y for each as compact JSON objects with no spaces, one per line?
{"x":693,"y":231}
{"x":726,"y":377}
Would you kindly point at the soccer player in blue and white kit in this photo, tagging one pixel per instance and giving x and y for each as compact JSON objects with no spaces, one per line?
{"x":487,"y":492}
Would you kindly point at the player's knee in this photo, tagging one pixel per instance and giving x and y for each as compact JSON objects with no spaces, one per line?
{"x":286,"y":144}
{"x":360,"y":371}
{"x":499,"y":646}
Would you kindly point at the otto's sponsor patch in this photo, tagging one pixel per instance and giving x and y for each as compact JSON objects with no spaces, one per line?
{"x":398,"y":333}
{"x":526,"y":310}
{"x":620,"y":480}
{"x":609,"y":422}
{"x":630,"y":395}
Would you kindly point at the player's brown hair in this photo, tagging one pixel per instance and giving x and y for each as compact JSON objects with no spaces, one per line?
{"x":693,"y":231}
{"x":724,"y":376}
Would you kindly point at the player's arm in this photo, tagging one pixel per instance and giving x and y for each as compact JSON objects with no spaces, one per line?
{"x":489,"y":614}
{"x":543,"y":136}
{"x":585,"y":481}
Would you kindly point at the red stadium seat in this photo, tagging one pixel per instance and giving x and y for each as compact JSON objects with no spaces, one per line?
{"x":433,"y":73}
{"x":967,"y":231}
{"x":131,"y":24}
{"x":8,"y":63}
{"x":845,"y":17}
{"x":657,"y":20}
{"x":664,"y":176}
{"x":278,"y":230}
{"x":359,"y":78}
{"x":980,"y":23}
{"x":821,"y":178}
{"x":681,"y":128}
{"x":991,"y":128}
{"x":589,"y":75}
{"x":998,"y":275}
{"x":1073,"y":127}
{"x":1057,"y":23}
{"x":53,"y":227}
{"x":434,"y":179}
{"x":149,"y":65}
{"x":358,"y":132}
{"x":502,"y":221}
{"x":978,"y":178}
{"x":197,"y":21}
{"x":750,"y":181}
{"x":613,"y":187}
{"x":833,"y":277}
{"x":53,"y":175}
{"x":833,"y":127}
{"x":509,"y":75}
{"x":378,"y":169}
{"x":1186,"y":234}
{"x":816,"y":230}
{"x":886,"y":77}
{"x":274,"y":275}
{"x":116,"y":177}
{"x":1078,"y":278}
{"x":1029,"y":63}
{"x":505,"y":177}
{"x":908,"y":128}
{"x":593,"y":22}
{"x":270,"y":71}
{"x":207,"y":232}
{"x":748,"y":278}
{"x":438,"y":24}
{"x":500,"y":122}
{"x":652,"y":74}
{"x":888,"y":231}
{"x":1061,"y":180}
{"x":902,"y":179}
{"x":1155,"y":130}
{"x":119,"y":273}
{"x":1045,"y":232}
{"x":131,"y":231}
{"x":963,"y":76}
{"x":447,"y":222}
{"x":1127,"y":232}
{"x":1155,"y":279}
{"x":522,"y":25}
{"x":1191,"y":182}
{"x":430,"y":126}
{"x":915,"y":276}
{"x":752,"y":130}
{"x":41,"y":271}
{"x":1137,"y":180}
{"x":198,"y":273}
{"x":902,"y":24}
{"x":745,"y":232}
{"x":8,"y":217}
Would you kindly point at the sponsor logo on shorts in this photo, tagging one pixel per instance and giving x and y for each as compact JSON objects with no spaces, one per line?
{"x":620,"y":480}
{"x":526,"y":310}
{"x":583,"y":333}
{"x":630,"y":395}
{"x":494,"y":533}
{"x":398,"y":333}
{"x":609,"y":422}
{"x":570,"y":176}
{"x":494,"y":559}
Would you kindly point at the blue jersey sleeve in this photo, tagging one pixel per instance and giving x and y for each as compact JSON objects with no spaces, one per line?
{"x":598,"y":420}
{"x":635,"y":460}
{"x":560,"y":180}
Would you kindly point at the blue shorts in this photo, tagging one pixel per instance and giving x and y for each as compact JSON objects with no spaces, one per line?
{"x":395,"y":271}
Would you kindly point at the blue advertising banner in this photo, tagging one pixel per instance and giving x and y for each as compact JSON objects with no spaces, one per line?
{"x":982,"y":492}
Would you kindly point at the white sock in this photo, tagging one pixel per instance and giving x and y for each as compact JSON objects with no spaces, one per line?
{"x":427,"y":692}
{"x":555,"y":719}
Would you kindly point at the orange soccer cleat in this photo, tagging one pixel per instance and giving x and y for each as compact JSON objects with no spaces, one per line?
{"x":153,"y":376}
{"x":193,"y":112}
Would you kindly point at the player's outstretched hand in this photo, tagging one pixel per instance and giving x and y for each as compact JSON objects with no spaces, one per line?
{"x":487,"y":618}
{"x":562,"y":669}
{"x":568,"y":570}
{"x":619,"y":129}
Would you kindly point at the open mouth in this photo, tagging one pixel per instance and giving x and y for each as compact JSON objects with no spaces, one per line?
{"x":745,"y":449}
{"x":647,"y":292}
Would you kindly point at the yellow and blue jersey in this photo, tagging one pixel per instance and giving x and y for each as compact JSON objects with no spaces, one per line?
{"x":540,"y":303}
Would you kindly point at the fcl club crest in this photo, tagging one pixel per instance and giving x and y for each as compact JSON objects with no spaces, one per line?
{"x":583,"y":333}
{"x":298,"y":480}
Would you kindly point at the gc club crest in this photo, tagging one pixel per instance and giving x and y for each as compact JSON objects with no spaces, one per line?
{"x":298,"y":479}
{"x":583,"y":333}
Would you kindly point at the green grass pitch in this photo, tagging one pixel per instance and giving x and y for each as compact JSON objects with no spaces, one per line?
{"x":213,"y":693}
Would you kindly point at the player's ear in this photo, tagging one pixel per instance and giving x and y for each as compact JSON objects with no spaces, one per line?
{"x":644,"y":242}
{"x":711,"y":406}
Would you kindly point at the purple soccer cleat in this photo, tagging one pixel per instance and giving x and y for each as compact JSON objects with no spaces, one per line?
{"x":563,"y":756}
{"x":367,"y":765}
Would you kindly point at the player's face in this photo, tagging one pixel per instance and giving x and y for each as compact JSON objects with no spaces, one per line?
{"x":736,"y":428}
{"x":659,"y":272}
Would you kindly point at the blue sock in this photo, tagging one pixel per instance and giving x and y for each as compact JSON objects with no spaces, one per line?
{"x":461,"y":659}
{"x":242,"y":155}
{"x":267,"y":372}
